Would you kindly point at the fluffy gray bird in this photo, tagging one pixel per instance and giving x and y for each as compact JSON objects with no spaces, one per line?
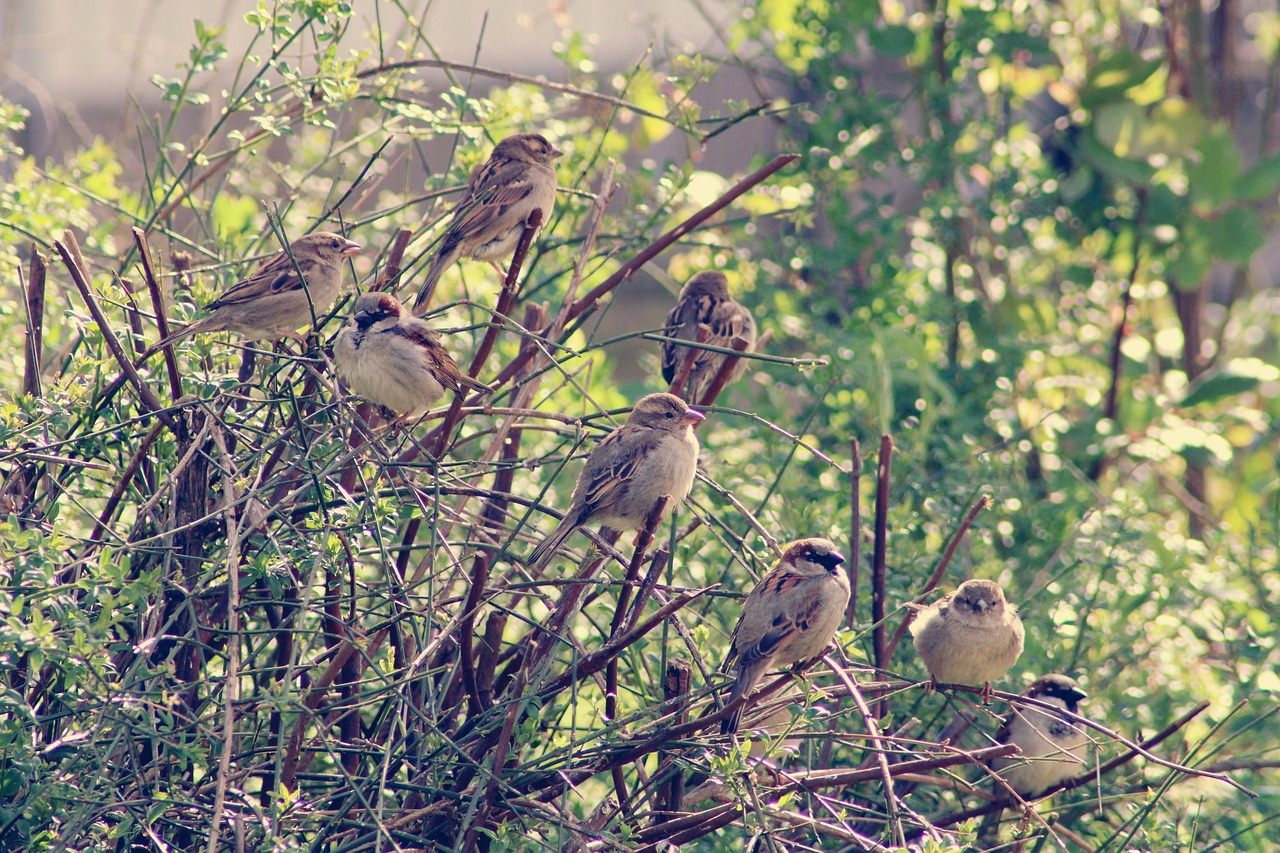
{"x":1053,"y":747}
{"x":972,"y":636}
{"x":705,"y":300}
{"x":789,"y":617}
{"x":654,"y":453}
{"x":392,"y":358}
{"x":501,"y":194}
{"x":273,"y":301}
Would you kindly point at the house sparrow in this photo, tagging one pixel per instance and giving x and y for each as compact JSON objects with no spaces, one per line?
{"x":1053,"y":747}
{"x":501,"y":193}
{"x":789,"y":617}
{"x":273,"y":302}
{"x":705,"y":300}
{"x":388,"y":356}
{"x":654,"y":453}
{"x":971,"y":636}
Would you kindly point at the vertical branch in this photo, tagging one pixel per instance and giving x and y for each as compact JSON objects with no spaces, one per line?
{"x":675,"y":686}
{"x":855,"y":528}
{"x":230,"y":689}
{"x":884,"y":469}
{"x":69,"y":252}
{"x":724,"y":373}
{"x":35,"y":322}
{"x":1111,"y":404}
{"x":505,"y":299}
{"x":157,"y":305}
{"x":686,"y":364}
{"x":390,"y":274}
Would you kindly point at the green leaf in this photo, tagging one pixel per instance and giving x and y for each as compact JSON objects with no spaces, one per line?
{"x":1235,"y":235}
{"x":1113,"y":74}
{"x":1217,"y":387}
{"x":1213,"y":178}
{"x":1260,"y":181}
{"x":892,"y":40}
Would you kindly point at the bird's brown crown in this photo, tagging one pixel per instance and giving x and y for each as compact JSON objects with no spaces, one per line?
{"x":372,"y":307}
{"x":326,"y":244}
{"x":708,"y":282}
{"x":529,"y":147}
{"x":813,"y":551}
{"x":663,"y":411}
{"x":979,"y":596}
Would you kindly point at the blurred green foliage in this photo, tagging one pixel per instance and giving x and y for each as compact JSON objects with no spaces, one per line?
{"x":988,"y":192}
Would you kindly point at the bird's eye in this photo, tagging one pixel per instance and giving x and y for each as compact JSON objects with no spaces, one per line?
{"x":334,"y":243}
{"x":670,"y":415}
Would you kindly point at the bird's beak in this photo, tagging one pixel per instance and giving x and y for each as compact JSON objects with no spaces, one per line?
{"x":693,"y":417}
{"x":832,"y":560}
{"x":351,"y":248}
{"x":1076,"y":694}
{"x":554,"y":153}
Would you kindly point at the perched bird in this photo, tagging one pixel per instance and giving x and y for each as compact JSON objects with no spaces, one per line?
{"x":1053,"y":747}
{"x":654,"y":453}
{"x":789,"y":617}
{"x":392,"y":358}
{"x":273,"y":302}
{"x":972,"y":636}
{"x":516,"y":180}
{"x":705,"y":300}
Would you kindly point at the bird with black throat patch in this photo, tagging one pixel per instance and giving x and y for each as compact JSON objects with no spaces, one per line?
{"x":394,"y":359}
{"x":790,"y":617}
{"x":1052,"y":747}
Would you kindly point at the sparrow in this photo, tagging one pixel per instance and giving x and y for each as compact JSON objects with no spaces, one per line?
{"x":790,"y":616}
{"x":705,"y":300}
{"x":1052,"y":747}
{"x":972,"y":636}
{"x":274,"y":302}
{"x":654,"y":453}
{"x":516,"y":180}
{"x":392,"y":358}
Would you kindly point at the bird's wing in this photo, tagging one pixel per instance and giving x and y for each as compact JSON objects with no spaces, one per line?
{"x":682,"y":323}
{"x":729,"y":320}
{"x":443,"y":367}
{"x":613,"y":464}
{"x":491,"y":192}
{"x":761,"y":638}
{"x":277,"y":275}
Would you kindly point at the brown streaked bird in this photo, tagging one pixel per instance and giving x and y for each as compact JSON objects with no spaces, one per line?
{"x":705,"y":300}
{"x":789,"y":617}
{"x":654,"y":453}
{"x":273,"y":302}
{"x":972,"y":636}
{"x":1053,"y":747}
{"x":392,"y":358}
{"x":502,"y":192}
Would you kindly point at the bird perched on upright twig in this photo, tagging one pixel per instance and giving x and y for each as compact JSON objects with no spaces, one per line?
{"x":972,"y":636}
{"x":273,"y":301}
{"x":654,"y":453}
{"x":392,"y":358}
{"x":789,"y":617}
{"x":705,"y":301}
{"x":517,"y":179}
{"x":1052,"y":747}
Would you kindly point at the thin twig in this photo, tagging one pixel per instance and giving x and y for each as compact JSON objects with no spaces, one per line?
{"x":82,"y":284}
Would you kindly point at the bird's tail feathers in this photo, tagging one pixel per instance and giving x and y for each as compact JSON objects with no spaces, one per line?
{"x":548,"y":547}
{"x":441,"y":262}
{"x":742,"y":686}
